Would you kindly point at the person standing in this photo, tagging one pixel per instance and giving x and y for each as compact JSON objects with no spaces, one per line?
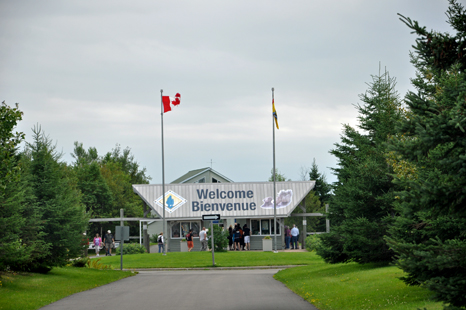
{"x":287,"y":237}
{"x":230,"y":237}
{"x":203,"y":239}
{"x":294,"y":237}
{"x":247,"y":238}
{"x":97,"y":244}
{"x":160,"y":242}
{"x":189,"y":239}
{"x":242,"y":237}
{"x":237,"y":235}
{"x":108,"y":240}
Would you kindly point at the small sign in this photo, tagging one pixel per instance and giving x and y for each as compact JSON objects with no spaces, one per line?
{"x":304,"y":222}
{"x":210,"y":217}
{"x":117,"y":235}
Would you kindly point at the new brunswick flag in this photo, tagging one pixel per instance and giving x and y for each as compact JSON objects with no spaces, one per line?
{"x":274,"y":113}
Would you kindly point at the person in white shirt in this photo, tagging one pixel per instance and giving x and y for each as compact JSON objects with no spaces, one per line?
{"x":294,"y":237}
{"x":203,"y":239}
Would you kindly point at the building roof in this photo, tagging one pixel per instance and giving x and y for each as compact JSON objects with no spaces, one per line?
{"x":185,"y":178}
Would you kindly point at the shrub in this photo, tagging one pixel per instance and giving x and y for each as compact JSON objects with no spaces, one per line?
{"x":153,"y":238}
{"x":220,"y":239}
{"x":96,"y":264}
{"x":80,"y":262}
{"x":132,"y":248}
{"x":312,"y":242}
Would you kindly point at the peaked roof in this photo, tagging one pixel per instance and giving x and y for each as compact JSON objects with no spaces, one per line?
{"x":193,"y":173}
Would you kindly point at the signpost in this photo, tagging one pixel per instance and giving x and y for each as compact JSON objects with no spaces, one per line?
{"x":122,"y":234}
{"x":211,"y":218}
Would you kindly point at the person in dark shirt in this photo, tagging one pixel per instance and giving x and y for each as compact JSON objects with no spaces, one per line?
{"x":109,"y":241}
{"x":230,"y":237}
{"x":237,"y":234}
{"x":189,"y":239}
{"x":247,"y":238}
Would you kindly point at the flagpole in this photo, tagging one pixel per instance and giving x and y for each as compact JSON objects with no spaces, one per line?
{"x":163,"y":177}
{"x":274,"y":190}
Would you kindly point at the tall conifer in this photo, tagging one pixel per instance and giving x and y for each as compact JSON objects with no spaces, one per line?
{"x":361,"y":208}
{"x":429,"y":159}
{"x":58,"y":203}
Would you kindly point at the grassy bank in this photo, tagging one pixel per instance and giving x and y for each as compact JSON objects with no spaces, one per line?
{"x":27,"y":291}
{"x":354,"y":286}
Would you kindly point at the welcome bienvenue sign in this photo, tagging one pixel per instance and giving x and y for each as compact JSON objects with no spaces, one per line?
{"x":249,"y":199}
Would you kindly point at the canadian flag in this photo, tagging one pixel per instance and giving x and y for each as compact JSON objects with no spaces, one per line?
{"x":168,"y":101}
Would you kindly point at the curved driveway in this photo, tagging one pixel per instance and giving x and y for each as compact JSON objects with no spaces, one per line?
{"x":189,"y":289}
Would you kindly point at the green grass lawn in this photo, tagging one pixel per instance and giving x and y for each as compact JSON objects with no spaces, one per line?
{"x":204,"y":259}
{"x":353,"y":286}
{"x":32,"y":290}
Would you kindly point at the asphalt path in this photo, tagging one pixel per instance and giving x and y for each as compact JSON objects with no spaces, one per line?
{"x":189,"y":289}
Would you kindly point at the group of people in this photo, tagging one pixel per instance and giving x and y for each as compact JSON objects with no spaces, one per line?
{"x":239,"y":239}
{"x":108,"y":242}
{"x":291,"y":236}
{"x":189,"y":239}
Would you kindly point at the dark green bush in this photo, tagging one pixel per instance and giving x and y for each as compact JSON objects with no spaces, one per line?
{"x":153,"y":238}
{"x":131,"y":248}
{"x":312,"y":242}
{"x":220,"y":239}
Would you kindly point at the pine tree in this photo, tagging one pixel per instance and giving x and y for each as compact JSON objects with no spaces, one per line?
{"x":58,"y":203}
{"x":361,"y":208}
{"x":322,"y":189}
{"x":19,"y":222}
{"x":279,"y":177}
{"x":429,"y":159}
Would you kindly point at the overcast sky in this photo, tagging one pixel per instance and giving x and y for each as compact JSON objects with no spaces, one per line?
{"x":92,"y":71}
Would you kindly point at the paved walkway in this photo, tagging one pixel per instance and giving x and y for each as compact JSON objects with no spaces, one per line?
{"x":189,"y":289}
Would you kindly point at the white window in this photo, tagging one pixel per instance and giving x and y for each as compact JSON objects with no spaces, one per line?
{"x":181,"y":229}
{"x":264,"y":227}
{"x":201,"y":180}
{"x":214,"y":180}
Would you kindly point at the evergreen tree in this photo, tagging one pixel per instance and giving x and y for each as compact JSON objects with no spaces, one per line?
{"x":19,"y":224}
{"x":322,"y":189}
{"x":11,"y":221}
{"x":429,"y":160}
{"x":361,"y":208}
{"x":58,"y":203}
{"x":279,"y":177}
{"x":314,"y":202}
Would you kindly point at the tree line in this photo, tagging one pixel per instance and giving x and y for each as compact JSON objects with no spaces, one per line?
{"x":45,"y":203}
{"x":400,"y":195}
